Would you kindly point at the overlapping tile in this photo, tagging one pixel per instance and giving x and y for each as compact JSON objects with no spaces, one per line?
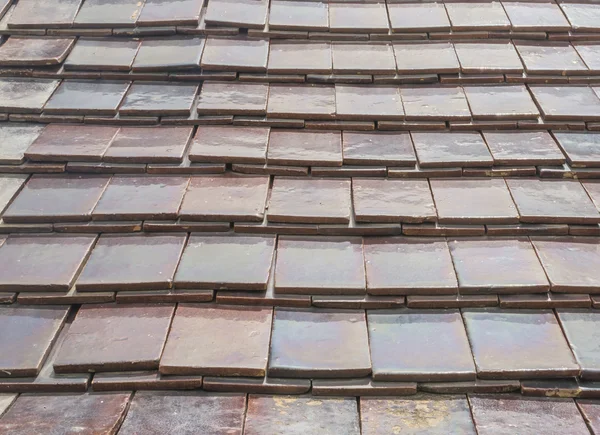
{"x":168,"y":54}
{"x":367,"y":148}
{"x":23,"y":51}
{"x":15,"y":138}
{"x":299,"y":15}
{"x":43,"y":14}
{"x":74,"y":97}
{"x":102,"y":54}
{"x":225,"y":98}
{"x":226,"y":54}
{"x":358,"y":18}
{"x":22,"y":95}
{"x":159,"y":13}
{"x":149,"y":145}
{"x":9,"y":186}
{"x":314,"y":148}
{"x":145,"y":99}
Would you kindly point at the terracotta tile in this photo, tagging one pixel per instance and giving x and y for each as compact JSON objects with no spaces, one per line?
{"x":497,"y":266}
{"x":42,"y":263}
{"x":144,"y":381}
{"x":358,"y":18}
{"x":523,"y":148}
{"x":297,"y":147}
{"x":74,"y":97}
{"x":581,"y":149}
{"x":433,"y":103}
{"x":95,"y":340}
{"x":159,"y":99}
{"x":300,"y":337}
{"x":501,"y":415}
{"x":418,"y":17}
{"x":15,"y":138}
{"x":132,"y":262}
{"x":230,"y":144}
{"x":431,"y":57}
{"x":309,"y":200}
{"x":368,"y":102}
{"x":523,"y":344}
{"x":22,"y":51}
{"x":500,"y":102}
{"x":477,"y":58}
{"x":374,"y":148}
{"x":224,"y":54}
{"x":10,"y":184}
{"x":196,"y":412}
{"x":554,"y":59}
{"x":583,"y":17}
{"x":108,"y":13}
{"x":24,"y":95}
{"x":552,"y":201}
{"x":477,"y":16}
{"x":63,"y":413}
{"x":168,"y":54}
{"x":299,"y":15}
{"x":225,"y":198}
{"x":131,"y":197}
{"x":41,"y":14}
{"x":251,"y":14}
{"x":443,"y":149}
{"x":243,"y":348}
{"x":590,"y":54}
{"x":580,"y":329}
{"x":531,"y":17}
{"x":361,"y":387}
{"x":256,"y":385}
{"x":49,"y":198}
{"x":431,"y":414}
{"x":570,"y":262}
{"x":478,"y":386}
{"x":149,"y":145}
{"x":266,"y":415}
{"x":222,"y":98}
{"x":301,"y":101}
{"x":560,"y":103}
{"x":362,"y":58}
{"x":300,"y":58}
{"x":102,"y":54}
{"x":591,"y":413}
{"x":158,"y":13}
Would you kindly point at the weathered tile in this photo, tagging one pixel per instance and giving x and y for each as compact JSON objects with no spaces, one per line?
{"x":583,"y":17}
{"x":232,"y":98}
{"x":523,"y":148}
{"x":368,"y":102}
{"x":477,"y":386}
{"x":590,"y":54}
{"x":102,"y":54}
{"x":243,"y":348}
{"x":437,"y":149}
{"x":226,"y":54}
{"x":15,"y":138}
{"x":108,"y":13}
{"x":559,"y":103}
{"x":63,"y":413}
{"x":358,"y":17}
{"x":497,"y":266}
{"x":534,"y":16}
{"x":477,"y":58}
{"x":582,"y":149}
{"x":144,"y":381}
{"x":143,"y":197}
{"x":552,"y":201}
{"x":250,"y":14}
{"x":74,"y":97}
{"x":168,"y":54}
{"x":24,"y":95}
{"x":309,"y":200}
{"x":228,"y":144}
{"x":10,"y":185}
{"x":431,"y":57}
{"x":225,"y":198}
{"x":580,"y":329}
{"x":293,"y":57}
{"x":159,"y":13}
{"x":418,"y":17}
{"x":550,"y":59}
{"x":23,"y":51}
{"x":523,"y":344}
{"x":361,"y":387}
{"x":264,"y":385}
{"x":374,"y":148}
{"x":301,"y":101}
{"x":42,"y":263}
{"x":500,"y":102}
{"x":477,"y":16}
{"x":159,"y":99}
{"x":591,"y":413}
{"x":433,"y":103}
{"x":6,"y":400}
{"x":95,"y":340}
{"x":42,"y":14}
{"x":149,"y":145}
{"x":362,"y":58}
{"x":298,"y":15}
{"x":298,"y":147}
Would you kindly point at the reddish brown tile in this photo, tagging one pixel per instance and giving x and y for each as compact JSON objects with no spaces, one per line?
{"x":108,"y":13}
{"x":159,"y":99}
{"x":149,"y":145}
{"x":477,"y":16}
{"x":560,"y":103}
{"x":78,"y":97}
{"x":23,"y":95}
{"x":225,"y":144}
{"x":363,"y":58}
{"x":375,"y":148}
{"x":590,"y":410}
{"x":250,"y":14}
{"x":500,"y":102}
{"x":143,"y":381}
{"x":23,"y":51}
{"x":523,"y":148}
{"x":301,"y":101}
{"x":478,"y":58}
{"x":430,"y":57}
{"x":301,"y":147}
{"x":245,"y":55}
{"x":437,"y":149}
{"x":435,"y":103}
{"x":418,"y":17}
{"x":358,"y":18}
{"x":223,"y":98}
{"x":300,"y":57}
{"x":256,"y":385}
{"x":368,"y":103}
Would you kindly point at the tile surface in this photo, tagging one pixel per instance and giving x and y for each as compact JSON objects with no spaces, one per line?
{"x":169,"y":54}
{"x":362,"y":58}
{"x":41,"y":14}
{"x":450,"y":149}
{"x":304,"y":102}
{"x":102,"y":54}
{"x":299,"y":15}
{"x":566,"y":102}
{"x":74,"y":97}
{"x":500,"y":102}
{"x":149,"y":145}
{"x":22,"y":95}
{"x":431,"y":57}
{"x":235,"y":54}
{"x":580,"y":328}
{"x":15,"y":138}
{"x":523,"y":148}
{"x":373,"y":148}
{"x":314,"y":148}
{"x":357,"y":17}
{"x":222,"y":98}
{"x":245,"y":13}
{"x":368,"y":102}
{"x":19,"y":51}
{"x":230,"y":144}
{"x":300,"y":58}
{"x":108,"y":13}
{"x":159,"y":99}
{"x":433,"y":103}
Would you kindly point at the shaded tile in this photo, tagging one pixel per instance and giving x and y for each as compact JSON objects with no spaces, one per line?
{"x":368,"y":102}
{"x":160,"y":13}
{"x":74,"y":97}
{"x":256,"y":385}
{"x":300,"y":57}
{"x":232,"y":98}
{"x":582,"y":17}
{"x":168,"y":54}
{"x":132,"y":262}
{"x":580,"y":327}
{"x":533,"y":16}
{"x":477,"y":16}
{"x":225,"y":198}
{"x":95,"y":341}
{"x":433,"y":103}
{"x":225,"y":54}
{"x":418,"y":17}
{"x":15,"y":138}
{"x":301,"y":101}
{"x":477,"y":58}
{"x":559,"y":103}
{"x":42,"y":263}
{"x":159,"y":99}
{"x":523,"y":148}
{"x":373,"y":148}
{"x":225,"y":144}
{"x":194,"y":412}
{"x":243,"y":334}
{"x":500,"y":102}
{"x":308,"y":343}
{"x":358,"y":17}
{"x":431,"y":57}
{"x":582,"y":149}
{"x":143,"y":381}
{"x":555,"y":59}
{"x":22,"y":51}
{"x":497,"y":266}
{"x":477,"y":386}
{"x":298,"y":147}
{"x":42,"y":14}
{"x":23,"y":95}
{"x":131,"y":197}
{"x":149,"y":145}
{"x":362,"y":58}
{"x":437,"y":149}
{"x":102,"y":54}
{"x":590,"y":410}
{"x":9,"y":186}
{"x":309,"y":200}
{"x":299,"y":15}
{"x":523,"y":344}
{"x":251,"y":14}
{"x":552,"y":201}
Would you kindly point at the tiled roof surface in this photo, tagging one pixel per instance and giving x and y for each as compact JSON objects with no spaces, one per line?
{"x":299,"y":217}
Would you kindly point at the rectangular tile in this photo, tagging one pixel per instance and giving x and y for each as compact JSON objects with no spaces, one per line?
{"x":102,"y":55}
{"x":448,"y":150}
{"x":145,"y":99}
{"x":74,"y":97}
{"x":24,"y":95}
{"x":301,"y":147}
{"x":43,"y":14}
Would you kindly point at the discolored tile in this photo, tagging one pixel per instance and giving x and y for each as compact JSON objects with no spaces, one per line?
{"x":590,"y":54}
{"x":320,"y":265}
{"x":226,"y":144}
{"x":500,"y":102}
{"x":301,"y":101}
{"x":374,"y":148}
{"x":523,"y":148}
{"x":299,"y":15}
{"x":435,"y":103}
{"x":77,"y":97}
{"x":497,"y":266}
{"x":168,"y":54}
{"x":108,"y":13}
{"x":251,"y":14}
{"x":42,"y":263}
{"x":264,"y":385}
{"x":167,"y":412}
{"x":149,"y":145}
{"x":552,"y":201}
{"x":132,"y":262}
{"x":160,"y":13}
{"x":418,"y":17}
{"x":437,"y":149}
{"x":590,"y":410}
{"x":582,"y":149}
{"x":485,"y":58}
{"x":358,"y":17}
{"x":226,"y":54}
{"x":42,"y":14}
{"x":534,"y":16}
{"x":65,"y":413}
{"x":522,"y":344}
{"x":102,"y":54}
{"x":225,"y":198}
{"x":477,"y":16}
{"x":550,"y":59}
{"x":24,"y":95}
{"x":15,"y":138}
{"x":426,"y":58}
{"x":308,"y":344}
{"x":108,"y":338}
{"x":362,"y":58}
{"x":292,"y":57}
{"x":582,"y":16}
{"x":223,"y":98}
{"x":309,"y":200}
{"x":558,"y":103}
{"x":580,"y":327}
{"x":144,"y":99}
{"x":243,"y":335}
{"x":368,"y":102}
{"x":10,"y":185}
{"x":298,"y":147}
{"x":23,"y":51}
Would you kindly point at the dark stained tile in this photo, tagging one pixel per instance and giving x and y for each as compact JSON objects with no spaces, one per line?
{"x":552,"y":201}
{"x":361,"y":387}
{"x":42,"y":263}
{"x":570,"y":263}
{"x":497,"y":265}
{"x":423,"y":346}
{"x":43,"y":14}
{"x":159,"y":99}
{"x":389,"y":201}
{"x":478,"y":58}
{"x":308,"y":344}
{"x":193,"y":412}
{"x":368,"y":102}
{"x":102,"y":54}
{"x":149,"y":145}
{"x":550,"y":59}
{"x":418,"y":17}
{"x":590,"y":410}
{"x":250,"y":14}
{"x":422,"y":414}
{"x":49,"y":198}
{"x":443,"y":149}
{"x":10,"y":184}
{"x":362,"y":58}
{"x":299,"y":15}
{"x":310,"y":148}
{"x":144,"y":381}
{"x":23,"y":51}
{"x":15,"y":138}
{"x":534,"y":16}
{"x":477,"y":16}
{"x":582,"y":149}
{"x":310,"y":200}
{"x":301,"y":101}
{"x":590,"y":54}
{"x":320,"y":265}
{"x":299,"y":57}
{"x":143,"y":197}
{"x":431,"y":57}
{"x":78,"y":97}
{"x":358,"y":17}
{"x":500,"y":102}
{"x":478,"y":386}
{"x":225,"y":198}
{"x":264,"y":385}
{"x":168,"y":54}
{"x":108,"y":338}
{"x":108,"y":13}
{"x":580,"y":327}
{"x":583,"y":17}
{"x":501,"y":415}
{"x":92,"y":413}
{"x":374,"y":148}
{"x":558,"y":103}
{"x":232,"y":98}
{"x":132,"y":262}
{"x":24,"y":95}
{"x":522,"y":344}
{"x":523,"y":148}
{"x":160,"y":13}
{"x":226,"y":144}
{"x":227,"y":54}
{"x":243,"y":335}
{"x":433,"y":103}
{"x":473,"y":201}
